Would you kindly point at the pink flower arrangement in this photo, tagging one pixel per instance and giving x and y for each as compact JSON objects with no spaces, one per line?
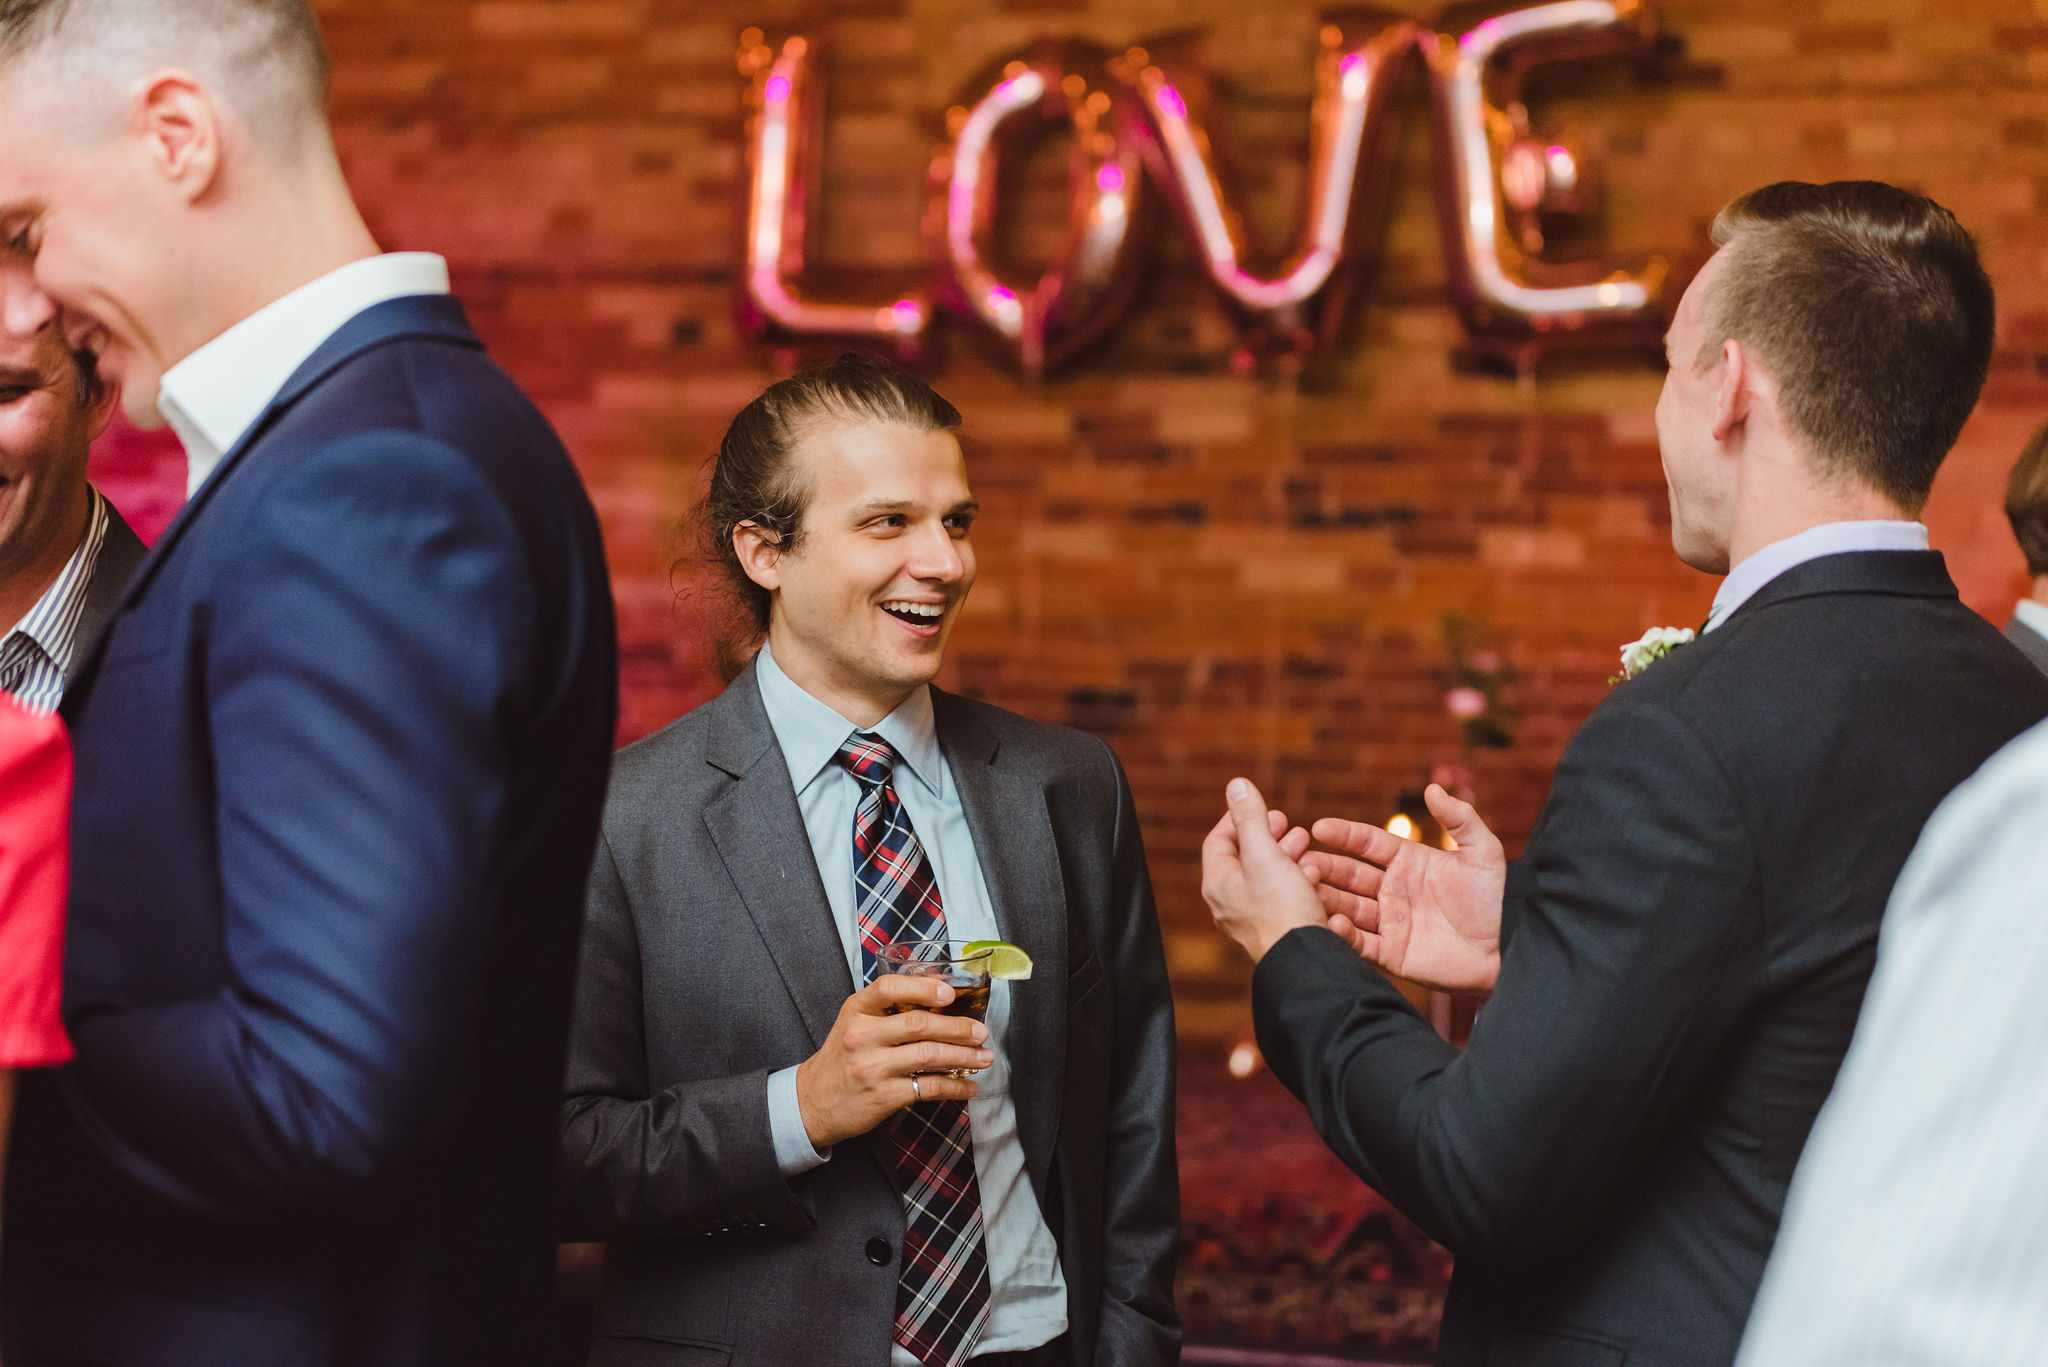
{"x":1465,"y":703}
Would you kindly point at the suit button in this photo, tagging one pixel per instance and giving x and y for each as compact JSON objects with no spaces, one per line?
{"x":879,"y":1252}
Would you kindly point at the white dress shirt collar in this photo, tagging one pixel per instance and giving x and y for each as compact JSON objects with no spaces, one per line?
{"x":215,"y":395}
{"x":2032,"y":614}
{"x":811,"y":732}
{"x":1829,"y":538}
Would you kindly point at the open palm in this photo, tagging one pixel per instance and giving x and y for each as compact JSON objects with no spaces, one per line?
{"x":1428,"y":915}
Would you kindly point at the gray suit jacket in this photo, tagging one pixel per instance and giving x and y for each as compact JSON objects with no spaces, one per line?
{"x":710,"y":960}
{"x":120,"y":552}
{"x":2032,"y":643}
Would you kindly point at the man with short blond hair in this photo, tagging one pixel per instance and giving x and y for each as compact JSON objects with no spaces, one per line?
{"x":340,"y":752}
{"x":1677,"y":960}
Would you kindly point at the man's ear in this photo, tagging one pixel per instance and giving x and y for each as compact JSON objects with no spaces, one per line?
{"x":1731,"y":399}
{"x":181,"y":129}
{"x":100,"y":411}
{"x":759,"y":554}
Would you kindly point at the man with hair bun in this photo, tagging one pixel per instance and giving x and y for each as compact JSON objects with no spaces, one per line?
{"x":1677,"y":961}
{"x":340,"y":751}
{"x":765,"y":1136}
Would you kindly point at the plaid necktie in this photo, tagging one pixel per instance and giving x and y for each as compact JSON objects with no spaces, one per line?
{"x":942,"y":1298}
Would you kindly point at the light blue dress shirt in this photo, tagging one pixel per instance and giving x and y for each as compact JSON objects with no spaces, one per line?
{"x":1028,"y":1300}
{"x":1829,"y":538}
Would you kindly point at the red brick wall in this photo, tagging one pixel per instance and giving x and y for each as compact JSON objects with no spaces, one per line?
{"x":1220,"y":573}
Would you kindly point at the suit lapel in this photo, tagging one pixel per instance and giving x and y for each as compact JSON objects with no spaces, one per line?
{"x":2032,"y":643}
{"x":1013,"y":841}
{"x":437,"y":316}
{"x":120,"y":553}
{"x":759,"y":832}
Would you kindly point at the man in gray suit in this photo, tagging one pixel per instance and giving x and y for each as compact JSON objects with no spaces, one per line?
{"x":748,"y":1126}
{"x":2026,"y":506}
{"x":65,"y":552}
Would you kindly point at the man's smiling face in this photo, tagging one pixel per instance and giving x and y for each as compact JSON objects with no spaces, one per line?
{"x":47,"y":423}
{"x":865,"y":602}
{"x":84,"y":215}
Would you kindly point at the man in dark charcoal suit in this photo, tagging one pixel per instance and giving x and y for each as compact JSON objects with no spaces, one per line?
{"x":1677,"y":961}
{"x":746,"y":1125}
{"x":65,"y":550}
{"x":2026,"y":507}
{"x":340,"y":752}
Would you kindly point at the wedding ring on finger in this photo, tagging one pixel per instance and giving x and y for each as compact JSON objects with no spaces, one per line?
{"x":915,"y":1090}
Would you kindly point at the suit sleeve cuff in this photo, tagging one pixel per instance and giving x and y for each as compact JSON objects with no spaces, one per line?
{"x":793,"y":1151}
{"x":1293,"y":991}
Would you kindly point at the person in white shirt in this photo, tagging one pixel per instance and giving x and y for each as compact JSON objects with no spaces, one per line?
{"x":2026,"y":507}
{"x":340,"y":751}
{"x":1916,"y":1233}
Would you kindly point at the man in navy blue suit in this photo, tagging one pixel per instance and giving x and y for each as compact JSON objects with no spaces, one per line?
{"x":340,"y":753}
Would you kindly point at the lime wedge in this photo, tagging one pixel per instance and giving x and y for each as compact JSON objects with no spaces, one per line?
{"x":1005,"y":960}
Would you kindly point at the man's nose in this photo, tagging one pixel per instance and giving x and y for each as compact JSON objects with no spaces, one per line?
{"x":24,"y":309}
{"x":937,"y":555}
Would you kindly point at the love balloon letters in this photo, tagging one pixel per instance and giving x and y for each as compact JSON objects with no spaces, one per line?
{"x":1139,"y":129}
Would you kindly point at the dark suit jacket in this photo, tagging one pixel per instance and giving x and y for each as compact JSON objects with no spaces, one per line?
{"x":2032,"y":643}
{"x":1687,"y":943}
{"x":340,"y":758}
{"x":710,"y":960}
{"x":121,"y":551}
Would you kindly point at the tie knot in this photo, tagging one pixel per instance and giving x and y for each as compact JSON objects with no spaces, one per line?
{"x":868,"y":758}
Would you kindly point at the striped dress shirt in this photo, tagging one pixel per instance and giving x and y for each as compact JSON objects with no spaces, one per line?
{"x":1916,"y":1234}
{"x":36,"y":655}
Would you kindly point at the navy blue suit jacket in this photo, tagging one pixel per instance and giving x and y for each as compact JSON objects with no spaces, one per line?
{"x":340,"y":759}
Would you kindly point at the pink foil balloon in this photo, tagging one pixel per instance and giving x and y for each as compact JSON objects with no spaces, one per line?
{"x":784,"y":132}
{"x":1298,"y":306}
{"x":1475,"y":77}
{"x":1042,"y":321}
{"x":1128,"y":116}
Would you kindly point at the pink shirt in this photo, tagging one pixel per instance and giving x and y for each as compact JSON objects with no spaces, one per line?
{"x":35,"y":839}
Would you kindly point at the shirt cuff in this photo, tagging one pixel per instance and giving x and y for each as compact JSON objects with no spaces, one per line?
{"x":793,"y":1151}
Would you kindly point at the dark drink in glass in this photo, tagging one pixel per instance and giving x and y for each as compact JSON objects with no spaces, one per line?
{"x":950,"y":961}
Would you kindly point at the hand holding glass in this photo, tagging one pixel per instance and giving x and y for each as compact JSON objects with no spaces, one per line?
{"x":961,"y":965}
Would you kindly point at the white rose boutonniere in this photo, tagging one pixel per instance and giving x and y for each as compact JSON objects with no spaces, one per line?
{"x":1655,"y":644}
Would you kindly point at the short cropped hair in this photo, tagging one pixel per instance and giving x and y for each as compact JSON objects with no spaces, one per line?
{"x":753,"y":479}
{"x":2026,"y":503}
{"x":264,"y":57}
{"x":1869,"y":307}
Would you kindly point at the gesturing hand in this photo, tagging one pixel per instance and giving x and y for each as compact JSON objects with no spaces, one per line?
{"x":862,"y":1075}
{"x":1428,"y":915}
{"x":1255,"y":888}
